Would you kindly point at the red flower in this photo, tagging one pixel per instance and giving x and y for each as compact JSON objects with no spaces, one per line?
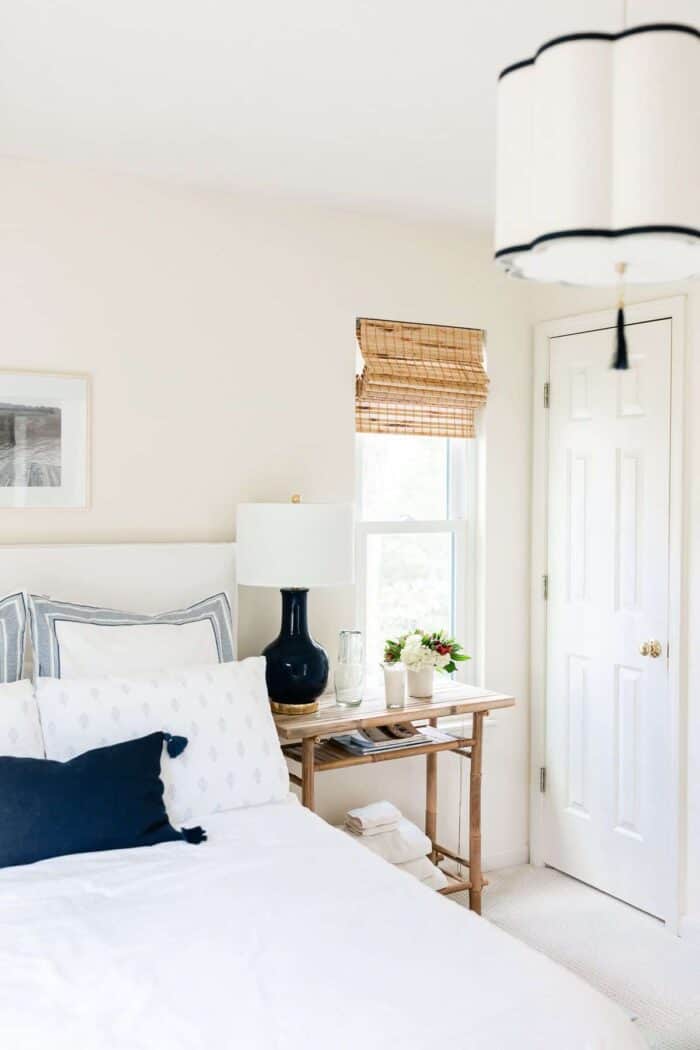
{"x":443,"y":649}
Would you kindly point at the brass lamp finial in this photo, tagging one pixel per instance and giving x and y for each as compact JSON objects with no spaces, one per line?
{"x":296,"y":498}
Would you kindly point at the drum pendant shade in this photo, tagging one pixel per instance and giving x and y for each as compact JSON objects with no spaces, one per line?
{"x":599,"y":158}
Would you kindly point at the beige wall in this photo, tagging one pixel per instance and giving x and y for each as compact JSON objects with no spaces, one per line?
{"x":219,"y":334}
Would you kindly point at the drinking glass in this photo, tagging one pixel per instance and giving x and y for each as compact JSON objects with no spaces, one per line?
{"x":395,"y":684}
{"x":350,"y":670}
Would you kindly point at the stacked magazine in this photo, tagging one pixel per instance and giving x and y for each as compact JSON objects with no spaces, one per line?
{"x":381,"y":738}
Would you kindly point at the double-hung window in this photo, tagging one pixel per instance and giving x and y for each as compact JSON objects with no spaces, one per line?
{"x":416,"y":400}
{"x":415,"y":538}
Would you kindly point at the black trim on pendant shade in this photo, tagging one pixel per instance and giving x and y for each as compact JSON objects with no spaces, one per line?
{"x":626,"y":231}
{"x":676,"y":27}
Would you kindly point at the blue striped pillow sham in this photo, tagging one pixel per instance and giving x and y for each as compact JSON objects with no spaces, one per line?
{"x":13,"y":622}
{"x":45,"y":614}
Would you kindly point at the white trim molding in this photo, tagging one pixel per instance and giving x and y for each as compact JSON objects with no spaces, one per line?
{"x":672,"y":308}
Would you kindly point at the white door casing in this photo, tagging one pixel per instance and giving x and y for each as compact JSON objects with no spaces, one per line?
{"x":605,"y":718}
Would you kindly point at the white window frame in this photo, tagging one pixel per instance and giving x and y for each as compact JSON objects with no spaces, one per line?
{"x":461,"y":524}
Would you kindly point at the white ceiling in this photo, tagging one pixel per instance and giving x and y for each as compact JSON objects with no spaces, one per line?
{"x":381,"y":104}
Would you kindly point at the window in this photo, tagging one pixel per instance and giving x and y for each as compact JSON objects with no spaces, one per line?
{"x":413,"y":536}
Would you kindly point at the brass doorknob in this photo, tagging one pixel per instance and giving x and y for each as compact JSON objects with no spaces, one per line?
{"x":652,"y":649}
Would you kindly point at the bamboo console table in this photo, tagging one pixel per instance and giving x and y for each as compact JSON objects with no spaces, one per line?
{"x":305,"y":740}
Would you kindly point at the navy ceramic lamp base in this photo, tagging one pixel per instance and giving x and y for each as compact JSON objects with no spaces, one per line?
{"x":297,"y":666}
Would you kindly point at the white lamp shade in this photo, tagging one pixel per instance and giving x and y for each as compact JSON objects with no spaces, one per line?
{"x":301,"y":545}
{"x":598,"y":158}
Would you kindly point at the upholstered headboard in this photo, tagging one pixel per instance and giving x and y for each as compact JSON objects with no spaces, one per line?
{"x":133,"y":577}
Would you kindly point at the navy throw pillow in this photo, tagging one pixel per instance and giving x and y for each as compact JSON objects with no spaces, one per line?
{"x":109,"y":798}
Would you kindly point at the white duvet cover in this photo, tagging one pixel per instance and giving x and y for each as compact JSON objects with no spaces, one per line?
{"x":280,"y":933}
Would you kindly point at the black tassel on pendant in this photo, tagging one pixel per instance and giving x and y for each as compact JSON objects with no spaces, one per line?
{"x":620,"y":362}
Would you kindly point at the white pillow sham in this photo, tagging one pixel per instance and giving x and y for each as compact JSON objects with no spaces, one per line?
{"x":81,"y":641}
{"x":20,"y":729}
{"x":233,"y":758}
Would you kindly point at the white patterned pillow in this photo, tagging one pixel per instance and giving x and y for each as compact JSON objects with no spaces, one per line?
{"x":233,"y":758}
{"x":20,"y":729}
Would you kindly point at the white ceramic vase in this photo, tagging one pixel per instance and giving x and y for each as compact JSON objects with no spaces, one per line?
{"x":420,"y":683}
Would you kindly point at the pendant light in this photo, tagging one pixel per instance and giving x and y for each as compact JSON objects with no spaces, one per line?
{"x":599,"y":160}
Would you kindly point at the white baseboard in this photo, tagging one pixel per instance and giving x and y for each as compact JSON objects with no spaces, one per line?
{"x":689,"y":928}
{"x":506,"y":858}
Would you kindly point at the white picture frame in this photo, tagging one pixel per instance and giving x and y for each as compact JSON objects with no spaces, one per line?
{"x":44,"y":421}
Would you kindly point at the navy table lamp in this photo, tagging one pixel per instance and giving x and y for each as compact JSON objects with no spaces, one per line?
{"x":294,"y":546}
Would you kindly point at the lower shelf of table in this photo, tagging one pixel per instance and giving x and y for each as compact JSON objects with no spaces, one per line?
{"x":330,"y":755}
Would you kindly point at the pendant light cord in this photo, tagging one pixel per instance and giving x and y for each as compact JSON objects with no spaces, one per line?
{"x":620,"y":269}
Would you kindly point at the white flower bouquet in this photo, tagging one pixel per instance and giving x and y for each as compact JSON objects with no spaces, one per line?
{"x":422,"y":654}
{"x":418,"y":651}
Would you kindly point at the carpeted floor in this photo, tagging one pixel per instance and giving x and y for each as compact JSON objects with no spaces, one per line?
{"x":624,"y":953}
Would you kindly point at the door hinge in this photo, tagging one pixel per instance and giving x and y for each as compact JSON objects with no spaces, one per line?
{"x":543,"y":779}
{"x":546,"y":395}
{"x":545,"y":586}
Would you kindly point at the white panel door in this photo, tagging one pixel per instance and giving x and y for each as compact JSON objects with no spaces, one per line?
{"x":607,"y":729}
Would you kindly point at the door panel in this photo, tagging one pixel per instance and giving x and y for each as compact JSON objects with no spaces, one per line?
{"x":608,"y":776}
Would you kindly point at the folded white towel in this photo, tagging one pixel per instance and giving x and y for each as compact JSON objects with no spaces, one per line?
{"x":404,"y":844}
{"x":420,"y":869}
{"x":374,"y":818}
{"x":426,"y":872}
{"x":381,"y":830}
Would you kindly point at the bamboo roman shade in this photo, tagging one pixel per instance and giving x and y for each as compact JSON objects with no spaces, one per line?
{"x":419,"y":378}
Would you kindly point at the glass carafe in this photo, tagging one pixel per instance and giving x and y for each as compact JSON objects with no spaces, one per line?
{"x":350,"y":669}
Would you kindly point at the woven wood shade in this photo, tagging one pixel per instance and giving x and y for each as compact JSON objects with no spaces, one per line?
{"x":419,"y":378}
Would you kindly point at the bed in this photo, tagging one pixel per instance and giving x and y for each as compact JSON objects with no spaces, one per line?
{"x":278,"y":932}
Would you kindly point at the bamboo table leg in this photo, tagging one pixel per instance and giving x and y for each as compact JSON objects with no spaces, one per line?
{"x":431,"y":763}
{"x":308,"y":754}
{"x":475,"y":876}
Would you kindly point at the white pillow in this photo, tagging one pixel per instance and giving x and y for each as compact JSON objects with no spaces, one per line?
{"x":233,"y":758}
{"x":20,"y":729}
{"x":81,"y":641}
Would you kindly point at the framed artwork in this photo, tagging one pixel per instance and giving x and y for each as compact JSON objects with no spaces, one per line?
{"x":43,"y":440}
